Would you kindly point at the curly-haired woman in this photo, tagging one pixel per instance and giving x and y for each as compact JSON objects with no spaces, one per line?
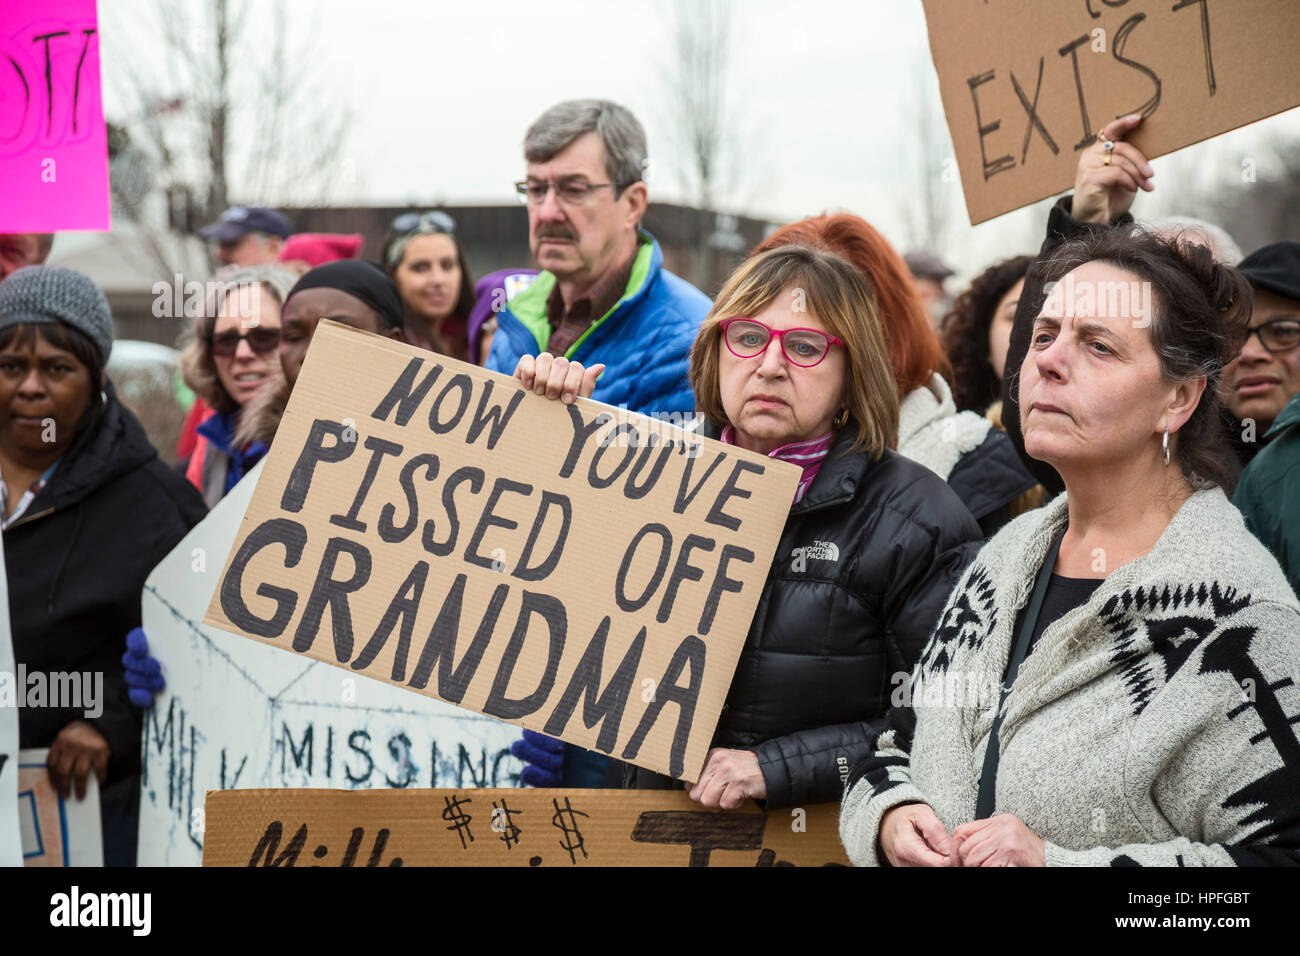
{"x":977,"y":331}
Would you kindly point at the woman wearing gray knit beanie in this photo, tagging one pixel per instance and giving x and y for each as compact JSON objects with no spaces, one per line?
{"x":88,"y":510}
{"x":1113,"y":681}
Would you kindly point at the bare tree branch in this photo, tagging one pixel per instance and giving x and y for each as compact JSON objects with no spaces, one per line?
{"x":929,"y":208}
{"x":700,"y":117}
{"x":220,"y":102}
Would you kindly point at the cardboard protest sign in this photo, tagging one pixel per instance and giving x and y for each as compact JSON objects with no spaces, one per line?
{"x":56,"y":832}
{"x":579,"y":570}
{"x":1027,"y":85}
{"x":11,"y":847}
{"x":53,"y":142}
{"x":241,"y":714}
{"x":510,"y":828}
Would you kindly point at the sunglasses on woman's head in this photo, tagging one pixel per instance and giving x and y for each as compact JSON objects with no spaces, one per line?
{"x":432,"y":221}
{"x":260,"y":341}
{"x":410,"y":224}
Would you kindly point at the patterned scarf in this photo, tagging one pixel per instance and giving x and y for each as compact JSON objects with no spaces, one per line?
{"x":808,"y":455}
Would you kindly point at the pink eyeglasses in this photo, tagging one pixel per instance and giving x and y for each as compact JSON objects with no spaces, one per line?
{"x":747,"y":338}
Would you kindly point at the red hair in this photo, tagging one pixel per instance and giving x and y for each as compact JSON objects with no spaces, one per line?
{"x":915,"y":352}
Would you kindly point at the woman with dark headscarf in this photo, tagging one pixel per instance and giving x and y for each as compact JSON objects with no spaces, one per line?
{"x":351,"y":291}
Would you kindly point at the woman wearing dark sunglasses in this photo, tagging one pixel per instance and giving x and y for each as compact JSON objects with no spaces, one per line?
{"x":353,"y":292}
{"x":427,"y":262}
{"x":791,"y":363}
{"x":232,"y":359}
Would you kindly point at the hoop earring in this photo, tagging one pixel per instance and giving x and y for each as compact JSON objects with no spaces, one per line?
{"x":840,"y":420}
{"x":1165,"y":446}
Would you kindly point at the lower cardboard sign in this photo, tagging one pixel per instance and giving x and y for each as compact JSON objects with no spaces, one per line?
{"x":488,"y":827}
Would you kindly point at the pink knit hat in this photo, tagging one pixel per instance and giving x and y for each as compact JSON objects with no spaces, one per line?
{"x":318,"y":248}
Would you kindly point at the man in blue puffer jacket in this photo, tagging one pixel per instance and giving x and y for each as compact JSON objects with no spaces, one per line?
{"x":603,"y":298}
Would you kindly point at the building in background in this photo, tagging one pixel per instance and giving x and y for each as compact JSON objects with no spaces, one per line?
{"x":701,"y":247}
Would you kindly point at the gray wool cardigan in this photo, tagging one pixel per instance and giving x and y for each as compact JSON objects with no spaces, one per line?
{"x":1154,"y":725}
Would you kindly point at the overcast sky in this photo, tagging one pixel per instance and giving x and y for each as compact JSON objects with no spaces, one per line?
{"x":826,"y":91}
{"x":464,"y":80}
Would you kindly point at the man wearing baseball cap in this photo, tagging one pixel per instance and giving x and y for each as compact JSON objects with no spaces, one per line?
{"x":1263,"y":383}
{"x":1259,"y":382}
{"x":248,"y":235}
{"x":929,"y":273}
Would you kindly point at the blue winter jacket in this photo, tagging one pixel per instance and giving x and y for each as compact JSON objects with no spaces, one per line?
{"x":644,"y":341}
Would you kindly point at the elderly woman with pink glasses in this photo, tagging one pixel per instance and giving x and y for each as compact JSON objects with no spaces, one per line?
{"x":791,"y":363}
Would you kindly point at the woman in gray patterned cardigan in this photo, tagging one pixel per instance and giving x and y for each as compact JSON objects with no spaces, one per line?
{"x":1153,"y":720}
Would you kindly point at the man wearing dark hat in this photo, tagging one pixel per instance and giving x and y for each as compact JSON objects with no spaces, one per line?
{"x":1259,"y":382}
{"x":1263,"y":383}
{"x":928,"y":276}
{"x":248,"y":235}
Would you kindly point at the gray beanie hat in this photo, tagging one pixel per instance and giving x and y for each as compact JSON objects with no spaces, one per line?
{"x":47,"y":294}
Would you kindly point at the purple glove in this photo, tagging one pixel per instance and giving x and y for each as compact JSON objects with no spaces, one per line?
{"x":143,"y":673}
{"x":543,"y":758}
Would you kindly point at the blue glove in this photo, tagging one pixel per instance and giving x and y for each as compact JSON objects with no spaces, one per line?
{"x":543,"y":758}
{"x":143,"y":673}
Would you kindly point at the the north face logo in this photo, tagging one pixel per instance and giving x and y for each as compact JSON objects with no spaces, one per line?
{"x":817,"y":551}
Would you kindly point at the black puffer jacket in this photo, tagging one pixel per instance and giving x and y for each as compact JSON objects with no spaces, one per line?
{"x":989,"y":479}
{"x":862,"y":571}
{"x":77,"y":560}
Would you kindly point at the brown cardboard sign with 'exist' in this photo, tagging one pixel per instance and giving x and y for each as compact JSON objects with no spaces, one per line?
{"x":579,"y":570}
{"x":1026,"y":85}
{"x":509,"y":828}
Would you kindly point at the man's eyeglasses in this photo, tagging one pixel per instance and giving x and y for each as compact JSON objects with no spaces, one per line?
{"x":260,"y":341}
{"x":570,"y":192}
{"x":747,"y":338}
{"x":1278,"y":335}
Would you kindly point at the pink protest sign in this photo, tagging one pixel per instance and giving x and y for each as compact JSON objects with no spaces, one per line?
{"x":53,"y":143}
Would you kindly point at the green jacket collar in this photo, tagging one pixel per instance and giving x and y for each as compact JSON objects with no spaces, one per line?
{"x":1290,"y":416}
{"x":529,"y":306}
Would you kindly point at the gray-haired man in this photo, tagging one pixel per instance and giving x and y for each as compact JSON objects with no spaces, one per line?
{"x":604,"y":296}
